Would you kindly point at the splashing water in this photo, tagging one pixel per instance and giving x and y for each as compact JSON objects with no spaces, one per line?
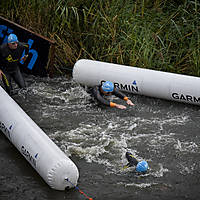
{"x":157,"y":131}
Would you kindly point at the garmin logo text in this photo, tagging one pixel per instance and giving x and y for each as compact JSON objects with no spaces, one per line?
{"x":127,"y":87}
{"x":186,"y":97}
{"x":5,"y":130}
{"x":29,"y":157}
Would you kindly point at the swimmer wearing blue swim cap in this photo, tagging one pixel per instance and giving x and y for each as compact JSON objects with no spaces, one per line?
{"x":141,"y":166}
{"x":101,"y":93}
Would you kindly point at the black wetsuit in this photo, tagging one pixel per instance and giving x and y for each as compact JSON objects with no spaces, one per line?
{"x":9,"y":64}
{"x":131,"y":160}
{"x":96,"y":92}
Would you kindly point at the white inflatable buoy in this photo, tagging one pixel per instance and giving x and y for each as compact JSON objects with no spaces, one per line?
{"x":39,"y":150}
{"x":141,"y":81}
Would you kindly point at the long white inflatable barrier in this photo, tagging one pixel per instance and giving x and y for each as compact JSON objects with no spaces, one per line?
{"x":39,"y":150}
{"x":141,"y":81}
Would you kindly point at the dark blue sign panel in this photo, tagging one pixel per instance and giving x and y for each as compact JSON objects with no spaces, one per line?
{"x":39,"y":47}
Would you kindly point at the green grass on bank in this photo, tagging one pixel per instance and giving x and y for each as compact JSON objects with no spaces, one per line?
{"x":162,"y":35}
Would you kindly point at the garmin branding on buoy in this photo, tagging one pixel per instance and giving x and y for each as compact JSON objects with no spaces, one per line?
{"x":164,"y":85}
{"x":39,"y":150}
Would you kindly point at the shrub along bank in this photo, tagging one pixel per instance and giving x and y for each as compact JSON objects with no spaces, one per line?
{"x":156,"y":34}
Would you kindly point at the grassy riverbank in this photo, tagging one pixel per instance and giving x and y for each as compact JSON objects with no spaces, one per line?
{"x":156,"y":34}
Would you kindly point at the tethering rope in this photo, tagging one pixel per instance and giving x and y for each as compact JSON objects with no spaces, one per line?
{"x":76,"y":187}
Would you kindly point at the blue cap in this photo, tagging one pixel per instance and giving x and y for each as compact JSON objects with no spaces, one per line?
{"x":107,"y":86}
{"x":12,"y":38}
{"x":142,"y":166}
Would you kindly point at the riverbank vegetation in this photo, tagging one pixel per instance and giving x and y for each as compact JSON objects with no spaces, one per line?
{"x":156,"y":34}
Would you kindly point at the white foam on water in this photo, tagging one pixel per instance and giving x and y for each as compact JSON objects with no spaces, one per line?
{"x":161,"y":171}
{"x":106,"y":142}
{"x":187,"y":168}
{"x":186,"y":146}
{"x":140,"y":185}
{"x":105,"y":135}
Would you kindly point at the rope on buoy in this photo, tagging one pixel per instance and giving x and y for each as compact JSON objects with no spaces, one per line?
{"x":76,"y":187}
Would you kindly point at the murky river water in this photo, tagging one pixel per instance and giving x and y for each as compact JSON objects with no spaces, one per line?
{"x":166,"y":134}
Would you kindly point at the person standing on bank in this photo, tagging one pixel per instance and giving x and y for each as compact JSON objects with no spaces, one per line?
{"x":107,"y":89}
{"x":10,"y":57}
